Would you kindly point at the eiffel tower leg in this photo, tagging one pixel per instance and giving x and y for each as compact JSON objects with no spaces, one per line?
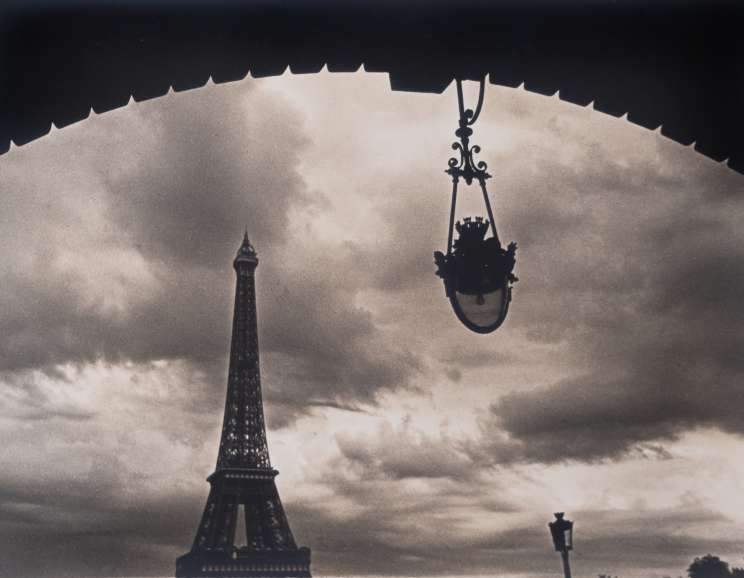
{"x":274,"y":520}
{"x":227,"y":514}
{"x":204,"y":535}
{"x":217,"y":527}
{"x":284,"y":523}
{"x":253,"y":527}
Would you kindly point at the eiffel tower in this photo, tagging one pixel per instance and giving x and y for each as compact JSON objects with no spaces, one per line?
{"x":243,"y":490}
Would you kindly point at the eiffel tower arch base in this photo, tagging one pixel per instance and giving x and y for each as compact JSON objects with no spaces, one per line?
{"x":270,"y":550}
{"x":236,"y":563}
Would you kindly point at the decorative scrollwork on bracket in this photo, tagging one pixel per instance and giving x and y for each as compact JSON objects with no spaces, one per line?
{"x":466,"y":166}
{"x":455,"y":162}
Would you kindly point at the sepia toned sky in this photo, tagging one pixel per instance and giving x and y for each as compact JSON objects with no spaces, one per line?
{"x":406,"y":444}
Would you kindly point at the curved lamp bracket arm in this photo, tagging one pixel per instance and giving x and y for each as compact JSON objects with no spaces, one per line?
{"x":467,"y":116}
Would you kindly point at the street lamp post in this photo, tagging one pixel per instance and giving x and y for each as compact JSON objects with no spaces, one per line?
{"x":562,"y":532}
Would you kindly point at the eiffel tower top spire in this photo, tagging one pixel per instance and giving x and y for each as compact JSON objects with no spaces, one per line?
{"x":246,"y":253}
{"x":243,"y":444}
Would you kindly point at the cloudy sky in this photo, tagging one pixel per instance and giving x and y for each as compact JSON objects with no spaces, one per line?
{"x":406,"y":444}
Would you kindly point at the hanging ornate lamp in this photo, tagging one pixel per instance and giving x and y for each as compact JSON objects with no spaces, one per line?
{"x":477,"y":271}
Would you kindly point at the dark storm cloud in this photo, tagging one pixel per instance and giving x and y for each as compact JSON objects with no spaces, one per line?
{"x":173,"y":204}
{"x":227,"y":158}
{"x":584,"y":420}
{"x":317,"y":344}
{"x":637,"y":274}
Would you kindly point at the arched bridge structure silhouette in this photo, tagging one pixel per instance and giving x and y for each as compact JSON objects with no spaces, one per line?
{"x":673,"y":66}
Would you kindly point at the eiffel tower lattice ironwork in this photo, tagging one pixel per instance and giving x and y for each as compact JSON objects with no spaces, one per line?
{"x":243,"y":490}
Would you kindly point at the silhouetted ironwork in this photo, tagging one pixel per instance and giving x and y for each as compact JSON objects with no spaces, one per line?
{"x":671,"y":66}
{"x":244,"y":476}
{"x":477,"y":274}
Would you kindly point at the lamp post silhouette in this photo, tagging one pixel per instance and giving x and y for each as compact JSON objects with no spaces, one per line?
{"x":562,"y":532}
